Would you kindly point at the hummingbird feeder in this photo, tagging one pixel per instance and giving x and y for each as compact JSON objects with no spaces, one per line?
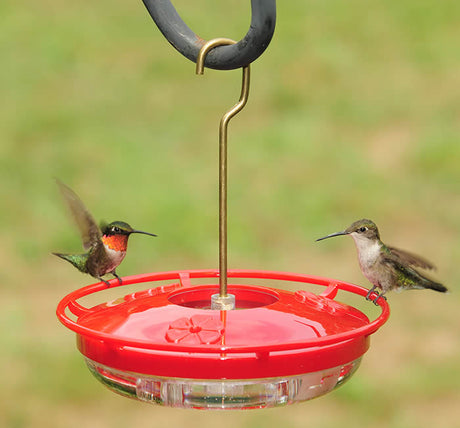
{"x":187,"y":341}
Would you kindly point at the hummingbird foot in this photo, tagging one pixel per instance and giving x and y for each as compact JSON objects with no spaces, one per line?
{"x":379,"y":296}
{"x":120,"y":281}
{"x":103,"y":280}
{"x":368,"y":295}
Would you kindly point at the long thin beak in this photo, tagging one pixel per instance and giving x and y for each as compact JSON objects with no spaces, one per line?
{"x":332,"y":235}
{"x":144,"y":233}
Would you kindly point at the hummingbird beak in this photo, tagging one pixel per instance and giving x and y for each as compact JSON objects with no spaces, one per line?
{"x":144,"y":233}
{"x":332,"y":235}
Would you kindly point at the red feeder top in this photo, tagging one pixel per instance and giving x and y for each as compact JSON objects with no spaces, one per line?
{"x":168,"y":331}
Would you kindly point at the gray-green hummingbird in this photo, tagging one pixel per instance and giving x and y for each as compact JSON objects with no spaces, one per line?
{"x":387,"y":268}
{"x":106,"y":246}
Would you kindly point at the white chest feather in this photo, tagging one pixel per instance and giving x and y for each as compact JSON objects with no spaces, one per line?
{"x":115,"y":257}
{"x":368,"y":251}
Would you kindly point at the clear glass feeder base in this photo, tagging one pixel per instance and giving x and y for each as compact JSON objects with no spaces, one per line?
{"x":215,"y":394}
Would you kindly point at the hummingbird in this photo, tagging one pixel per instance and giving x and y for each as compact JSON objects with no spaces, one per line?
{"x":387,"y":268}
{"x":106,"y":245}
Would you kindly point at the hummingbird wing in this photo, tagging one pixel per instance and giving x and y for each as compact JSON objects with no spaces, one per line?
{"x":404,"y":257}
{"x":89,"y":230}
{"x":407,"y":277}
{"x":403,"y":276}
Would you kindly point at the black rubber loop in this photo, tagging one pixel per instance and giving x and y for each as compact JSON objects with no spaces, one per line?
{"x":244,"y":52}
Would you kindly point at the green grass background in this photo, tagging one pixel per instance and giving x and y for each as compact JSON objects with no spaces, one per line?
{"x":354,"y":112}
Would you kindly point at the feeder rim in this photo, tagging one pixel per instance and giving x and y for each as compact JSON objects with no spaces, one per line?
{"x":69,"y":302}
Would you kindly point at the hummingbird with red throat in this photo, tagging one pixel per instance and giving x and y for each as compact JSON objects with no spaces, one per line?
{"x":105,"y":246}
{"x":387,"y":268}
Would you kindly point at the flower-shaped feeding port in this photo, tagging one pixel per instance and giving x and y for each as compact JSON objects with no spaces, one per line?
{"x":199,"y":329}
{"x":165,"y":345}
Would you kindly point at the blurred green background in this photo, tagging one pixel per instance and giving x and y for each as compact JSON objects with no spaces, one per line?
{"x":354,"y":112}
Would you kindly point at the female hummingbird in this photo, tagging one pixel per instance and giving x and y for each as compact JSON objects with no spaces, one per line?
{"x":387,"y":268}
{"x":106,"y":246}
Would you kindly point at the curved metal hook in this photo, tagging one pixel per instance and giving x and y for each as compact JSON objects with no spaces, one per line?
{"x":189,"y":44}
{"x":224,"y":301}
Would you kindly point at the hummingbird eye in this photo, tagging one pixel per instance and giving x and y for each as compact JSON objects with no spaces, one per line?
{"x":115,"y":229}
{"x":362,"y":229}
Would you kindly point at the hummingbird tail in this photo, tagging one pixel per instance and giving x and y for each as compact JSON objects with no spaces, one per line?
{"x":61,"y":255}
{"x":78,"y":260}
{"x":436,"y":286}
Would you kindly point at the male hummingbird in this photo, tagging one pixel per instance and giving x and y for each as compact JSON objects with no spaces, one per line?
{"x":387,"y":268}
{"x":106,"y":246}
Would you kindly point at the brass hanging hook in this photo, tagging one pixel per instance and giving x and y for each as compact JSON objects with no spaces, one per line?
{"x":223,"y":300}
